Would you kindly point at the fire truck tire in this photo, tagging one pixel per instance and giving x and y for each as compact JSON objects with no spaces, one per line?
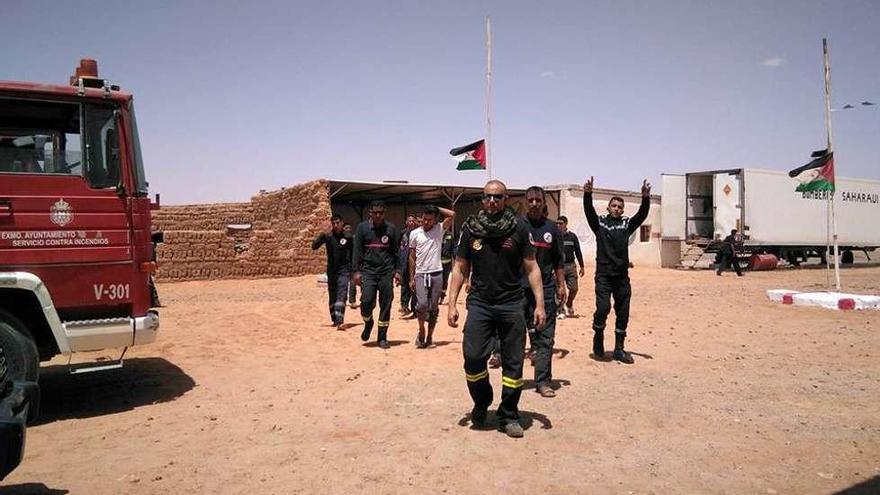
{"x":22,"y":358}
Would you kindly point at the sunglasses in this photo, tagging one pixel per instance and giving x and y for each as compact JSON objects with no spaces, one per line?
{"x":496,"y":197}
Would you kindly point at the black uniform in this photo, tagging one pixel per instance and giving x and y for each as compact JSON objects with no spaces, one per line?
{"x":407,"y":296}
{"x":547,"y":240}
{"x":572,"y":247}
{"x":495,"y":306}
{"x":728,"y":255}
{"x":338,"y":270}
{"x":376,"y":257}
{"x":447,"y":256}
{"x":612,"y":263}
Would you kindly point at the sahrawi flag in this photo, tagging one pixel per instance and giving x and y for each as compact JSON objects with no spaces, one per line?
{"x":471,"y":157}
{"x":818,"y":175}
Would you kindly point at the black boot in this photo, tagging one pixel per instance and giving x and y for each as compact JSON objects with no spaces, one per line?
{"x":382,"y":339}
{"x":368,"y":328}
{"x":620,"y":354}
{"x":478,"y":416}
{"x":599,"y":344}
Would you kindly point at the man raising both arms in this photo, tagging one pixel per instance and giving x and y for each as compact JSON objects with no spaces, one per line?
{"x":495,"y":249}
{"x":612,"y":266}
{"x":425,"y":269}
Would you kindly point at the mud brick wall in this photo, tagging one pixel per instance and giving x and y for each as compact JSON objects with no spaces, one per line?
{"x":202,"y":217}
{"x":207,"y":242}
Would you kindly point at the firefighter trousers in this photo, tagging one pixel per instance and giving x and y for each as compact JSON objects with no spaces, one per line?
{"x":482,"y":323}
{"x":337,"y":285}
{"x":383,"y":285}
{"x":543,"y":339}
{"x":407,"y":296}
{"x":352,"y":292}
{"x":608,"y":286}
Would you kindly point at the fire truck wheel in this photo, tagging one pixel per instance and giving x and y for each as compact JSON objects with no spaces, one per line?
{"x":22,"y":359}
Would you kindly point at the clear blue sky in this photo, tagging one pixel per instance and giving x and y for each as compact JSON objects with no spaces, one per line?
{"x":234,"y":97}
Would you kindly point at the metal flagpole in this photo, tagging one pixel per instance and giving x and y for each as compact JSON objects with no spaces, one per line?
{"x":489,"y":97}
{"x":830,"y":150}
{"x":827,"y":242}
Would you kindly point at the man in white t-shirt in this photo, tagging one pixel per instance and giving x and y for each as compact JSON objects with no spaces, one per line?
{"x":426,"y":270}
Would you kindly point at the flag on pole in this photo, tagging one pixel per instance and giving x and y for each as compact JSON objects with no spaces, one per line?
{"x":471,"y":157}
{"x":818,"y":175}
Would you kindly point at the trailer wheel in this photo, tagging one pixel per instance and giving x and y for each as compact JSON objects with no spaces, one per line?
{"x":22,"y":359}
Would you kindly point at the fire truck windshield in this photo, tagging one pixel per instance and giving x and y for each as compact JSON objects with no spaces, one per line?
{"x":45,"y":137}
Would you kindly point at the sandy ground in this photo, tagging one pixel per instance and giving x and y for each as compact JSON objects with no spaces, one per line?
{"x":249,"y":390}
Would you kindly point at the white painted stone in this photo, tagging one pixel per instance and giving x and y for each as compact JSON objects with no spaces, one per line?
{"x":830,"y":300}
{"x":776,"y":294}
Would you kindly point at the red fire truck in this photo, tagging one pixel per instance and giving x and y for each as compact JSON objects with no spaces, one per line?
{"x":76,"y":254}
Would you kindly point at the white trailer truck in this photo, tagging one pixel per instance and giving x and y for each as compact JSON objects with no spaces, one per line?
{"x":700,"y":208}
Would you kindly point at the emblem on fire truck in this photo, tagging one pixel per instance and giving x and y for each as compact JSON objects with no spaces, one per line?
{"x":61,"y":214}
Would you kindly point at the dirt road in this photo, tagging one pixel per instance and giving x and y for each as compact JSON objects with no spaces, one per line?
{"x":249,"y":390}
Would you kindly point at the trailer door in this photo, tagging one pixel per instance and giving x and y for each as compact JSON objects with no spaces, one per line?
{"x":673,"y":210}
{"x":727,"y":203}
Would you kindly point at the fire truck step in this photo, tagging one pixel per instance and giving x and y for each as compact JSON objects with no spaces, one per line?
{"x":77,"y":369}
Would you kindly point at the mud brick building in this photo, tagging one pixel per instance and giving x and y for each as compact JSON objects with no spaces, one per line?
{"x":271,"y":235}
{"x":268,"y":237}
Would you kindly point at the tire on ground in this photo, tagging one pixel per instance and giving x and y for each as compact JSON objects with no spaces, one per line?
{"x":22,"y":358}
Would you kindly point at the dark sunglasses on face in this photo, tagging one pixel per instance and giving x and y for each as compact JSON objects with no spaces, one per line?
{"x":496,"y":197}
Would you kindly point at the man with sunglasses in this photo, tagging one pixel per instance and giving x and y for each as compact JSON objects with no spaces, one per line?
{"x":376,"y":263}
{"x":496,"y":251}
{"x":612,"y":266}
{"x":572,"y":250}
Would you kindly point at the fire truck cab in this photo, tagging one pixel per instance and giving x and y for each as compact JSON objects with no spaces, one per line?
{"x":76,"y":255}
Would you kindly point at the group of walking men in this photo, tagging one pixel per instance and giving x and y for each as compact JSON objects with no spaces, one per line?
{"x":518,"y":268}
{"x":377,"y":257}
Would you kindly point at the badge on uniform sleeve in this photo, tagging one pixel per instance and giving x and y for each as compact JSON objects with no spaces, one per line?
{"x":477,"y":245}
{"x":342,"y":241}
{"x":384,"y":239}
{"x":548,"y":237}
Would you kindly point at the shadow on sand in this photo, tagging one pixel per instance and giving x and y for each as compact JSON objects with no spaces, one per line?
{"x":392,"y":343}
{"x":867,"y":487}
{"x":554,"y":384}
{"x":607,"y":357}
{"x":142,"y":381}
{"x":32,"y":489}
{"x":527,"y":419}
